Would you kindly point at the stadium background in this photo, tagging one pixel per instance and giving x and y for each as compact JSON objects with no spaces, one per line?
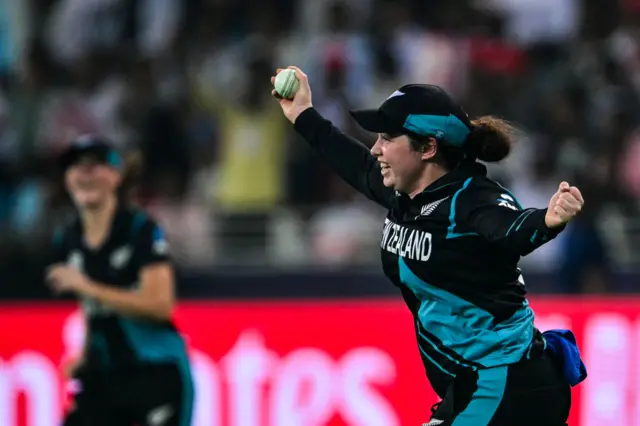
{"x":283,"y":302}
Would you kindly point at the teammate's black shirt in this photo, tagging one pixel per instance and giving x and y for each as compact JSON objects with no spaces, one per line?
{"x":453,"y":251}
{"x":118,"y":341}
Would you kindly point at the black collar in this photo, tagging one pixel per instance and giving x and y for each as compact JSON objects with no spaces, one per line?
{"x":448,"y":182}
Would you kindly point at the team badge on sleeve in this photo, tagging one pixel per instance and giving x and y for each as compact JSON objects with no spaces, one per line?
{"x":507,"y":201}
{"x":160,"y":245}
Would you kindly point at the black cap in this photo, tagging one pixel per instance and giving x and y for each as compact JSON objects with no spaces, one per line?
{"x":97,"y":146}
{"x":419,"y":109}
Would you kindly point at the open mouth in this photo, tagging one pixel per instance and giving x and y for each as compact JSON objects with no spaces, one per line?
{"x":384,"y":168}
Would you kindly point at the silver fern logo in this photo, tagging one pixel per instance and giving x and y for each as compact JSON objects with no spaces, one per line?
{"x":120,"y":257}
{"x":433,"y":422}
{"x":160,"y":415}
{"x":427,"y":209}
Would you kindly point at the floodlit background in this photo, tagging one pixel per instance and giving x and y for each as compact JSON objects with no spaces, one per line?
{"x":255,"y":220}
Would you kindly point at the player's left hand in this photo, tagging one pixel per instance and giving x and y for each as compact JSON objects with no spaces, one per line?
{"x":565,"y":204}
{"x":66,"y":279}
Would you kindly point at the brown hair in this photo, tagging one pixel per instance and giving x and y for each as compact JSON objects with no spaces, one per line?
{"x":491,"y":139}
{"x":131,"y":174}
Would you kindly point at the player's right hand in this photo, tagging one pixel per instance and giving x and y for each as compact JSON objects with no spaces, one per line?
{"x":565,"y":204}
{"x":301,"y":101}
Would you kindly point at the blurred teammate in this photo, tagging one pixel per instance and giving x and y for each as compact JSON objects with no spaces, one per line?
{"x":134,"y":369}
{"x":451,"y":242}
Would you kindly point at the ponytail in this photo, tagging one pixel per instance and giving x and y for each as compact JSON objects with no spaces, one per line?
{"x":131,"y":174}
{"x":491,"y":139}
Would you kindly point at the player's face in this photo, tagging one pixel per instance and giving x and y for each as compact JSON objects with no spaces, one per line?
{"x":401,"y":165}
{"x":90,"y":182}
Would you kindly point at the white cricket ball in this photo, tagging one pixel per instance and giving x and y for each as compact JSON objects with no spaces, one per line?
{"x":286,"y":83}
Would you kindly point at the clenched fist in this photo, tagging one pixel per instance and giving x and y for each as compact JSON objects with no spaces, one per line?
{"x":565,"y":204}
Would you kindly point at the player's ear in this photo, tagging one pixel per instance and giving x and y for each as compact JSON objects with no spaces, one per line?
{"x":429,"y":149}
{"x":426,"y":147}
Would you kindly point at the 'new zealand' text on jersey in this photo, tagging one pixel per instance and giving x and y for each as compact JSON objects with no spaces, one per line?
{"x":453,"y":251}
{"x":117,"y":341}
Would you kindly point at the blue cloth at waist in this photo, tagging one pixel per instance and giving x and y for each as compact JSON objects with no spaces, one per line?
{"x":564,"y":349}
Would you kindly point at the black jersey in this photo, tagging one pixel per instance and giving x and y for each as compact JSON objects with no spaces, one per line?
{"x":453,"y":251}
{"x":115,"y":340}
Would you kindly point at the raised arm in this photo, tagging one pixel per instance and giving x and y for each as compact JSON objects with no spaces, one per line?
{"x":496,"y":215}
{"x":347,"y":156}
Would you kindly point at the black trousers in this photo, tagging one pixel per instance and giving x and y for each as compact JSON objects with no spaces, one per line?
{"x":530,"y":393}
{"x":152,"y":395}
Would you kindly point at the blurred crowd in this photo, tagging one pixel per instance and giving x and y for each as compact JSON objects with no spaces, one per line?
{"x":182,"y":88}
